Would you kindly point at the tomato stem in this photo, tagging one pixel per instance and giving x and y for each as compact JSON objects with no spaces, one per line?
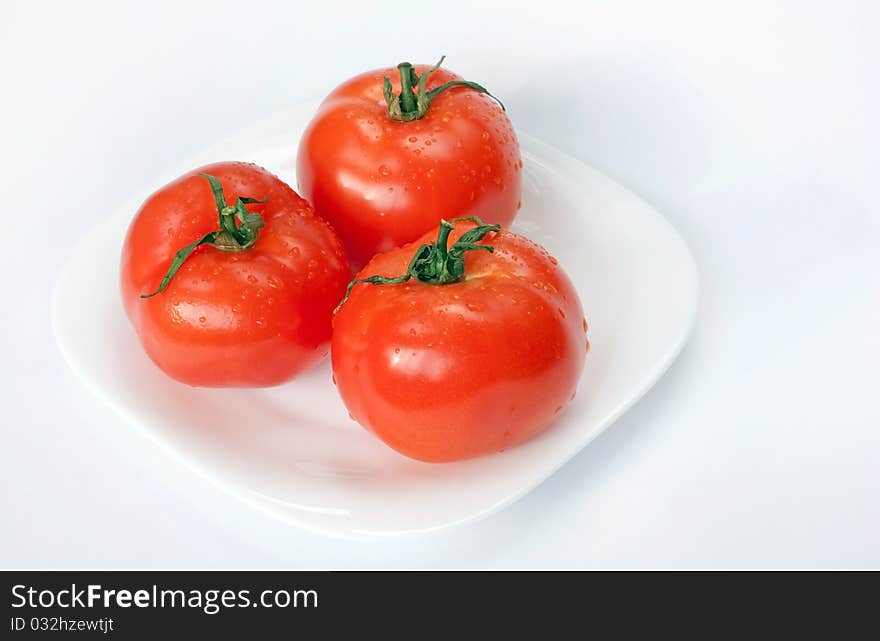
{"x":231,"y":236}
{"x":407,"y":98}
{"x":436,"y":263}
{"x":409,"y":106}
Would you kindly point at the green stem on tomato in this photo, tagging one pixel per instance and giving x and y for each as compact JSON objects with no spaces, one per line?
{"x":231,"y":236}
{"x":407,"y":98}
{"x":409,"y":106}
{"x":436,"y":263}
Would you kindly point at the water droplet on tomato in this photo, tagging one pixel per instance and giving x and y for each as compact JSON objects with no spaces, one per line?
{"x":385,"y":170}
{"x":252,"y":279}
{"x":202,"y":319}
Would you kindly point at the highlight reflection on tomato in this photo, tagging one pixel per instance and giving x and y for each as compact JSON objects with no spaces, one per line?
{"x":452,"y":353}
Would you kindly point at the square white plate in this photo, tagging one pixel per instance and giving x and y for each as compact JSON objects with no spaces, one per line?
{"x":295,"y":453}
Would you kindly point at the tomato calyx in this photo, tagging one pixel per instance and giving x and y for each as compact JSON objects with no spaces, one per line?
{"x":411,"y":106}
{"x":231,"y":237}
{"x":436,"y":263}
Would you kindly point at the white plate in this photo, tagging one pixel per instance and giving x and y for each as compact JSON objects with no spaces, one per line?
{"x":293,"y":451}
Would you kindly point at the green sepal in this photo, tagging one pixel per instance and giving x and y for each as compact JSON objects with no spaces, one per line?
{"x":179,"y":258}
{"x":231,"y":237}
{"x":406,"y":107}
{"x":217,"y":190}
{"x":436,"y":263}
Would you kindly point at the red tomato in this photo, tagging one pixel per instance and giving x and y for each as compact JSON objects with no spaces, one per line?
{"x":382,"y":182}
{"x":443,"y":372}
{"x":249,"y":307}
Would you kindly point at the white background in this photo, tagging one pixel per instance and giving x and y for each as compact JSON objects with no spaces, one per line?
{"x":752,"y":126}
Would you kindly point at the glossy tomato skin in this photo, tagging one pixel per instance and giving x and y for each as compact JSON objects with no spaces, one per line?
{"x":383,"y":183}
{"x":449,"y":372}
{"x":232,"y":319}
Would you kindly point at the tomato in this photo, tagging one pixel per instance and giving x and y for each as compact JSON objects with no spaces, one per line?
{"x":450,"y":354}
{"x":237,"y":295}
{"x":383,"y":176}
